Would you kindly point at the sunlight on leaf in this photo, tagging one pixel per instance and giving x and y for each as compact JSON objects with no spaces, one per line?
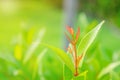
{"x":87,"y":40}
{"x":92,"y":25}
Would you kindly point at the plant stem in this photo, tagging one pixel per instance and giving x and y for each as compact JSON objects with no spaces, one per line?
{"x":75,"y":61}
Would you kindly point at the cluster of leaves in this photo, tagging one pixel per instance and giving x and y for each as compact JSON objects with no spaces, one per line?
{"x":77,"y":51}
{"x":24,"y":64}
{"x":101,"y":64}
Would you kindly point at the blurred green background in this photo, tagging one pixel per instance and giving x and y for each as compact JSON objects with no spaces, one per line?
{"x":26,"y":23}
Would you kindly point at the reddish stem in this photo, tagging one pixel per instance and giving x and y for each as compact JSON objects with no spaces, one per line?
{"x":75,"y":60}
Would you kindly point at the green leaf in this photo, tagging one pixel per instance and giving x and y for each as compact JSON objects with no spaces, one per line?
{"x":8,"y":58}
{"x":68,"y":75}
{"x":14,"y":63}
{"x":87,"y":40}
{"x":63,"y":56}
{"x":108,"y":69}
{"x":83,"y":73}
{"x":83,"y":20}
{"x":92,"y":25}
{"x":38,"y":64}
{"x":34,"y":45}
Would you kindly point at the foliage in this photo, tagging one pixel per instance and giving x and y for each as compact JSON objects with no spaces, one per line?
{"x":21,"y":63}
{"x":104,"y":50}
{"x":73,"y":50}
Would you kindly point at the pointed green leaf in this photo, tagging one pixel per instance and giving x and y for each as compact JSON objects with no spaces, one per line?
{"x":92,"y":25}
{"x":87,"y":40}
{"x":38,"y":65}
{"x":63,"y":56}
{"x":34,"y":45}
{"x":108,"y":69}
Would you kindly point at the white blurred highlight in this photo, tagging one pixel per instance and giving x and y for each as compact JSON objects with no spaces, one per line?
{"x":34,"y":45}
{"x":9,"y":6}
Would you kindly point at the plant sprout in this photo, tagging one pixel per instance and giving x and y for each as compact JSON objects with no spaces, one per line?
{"x":77,"y":49}
{"x":73,"y":39}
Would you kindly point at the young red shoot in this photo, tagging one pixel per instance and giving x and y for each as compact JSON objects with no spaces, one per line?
{"x":73,"y":51}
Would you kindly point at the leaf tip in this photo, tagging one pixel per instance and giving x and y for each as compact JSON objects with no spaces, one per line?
{"x":102,"y":22}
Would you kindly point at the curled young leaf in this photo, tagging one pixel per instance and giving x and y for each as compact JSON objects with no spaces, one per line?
{"x":77,"y":34}
{"x":70,"y":30}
